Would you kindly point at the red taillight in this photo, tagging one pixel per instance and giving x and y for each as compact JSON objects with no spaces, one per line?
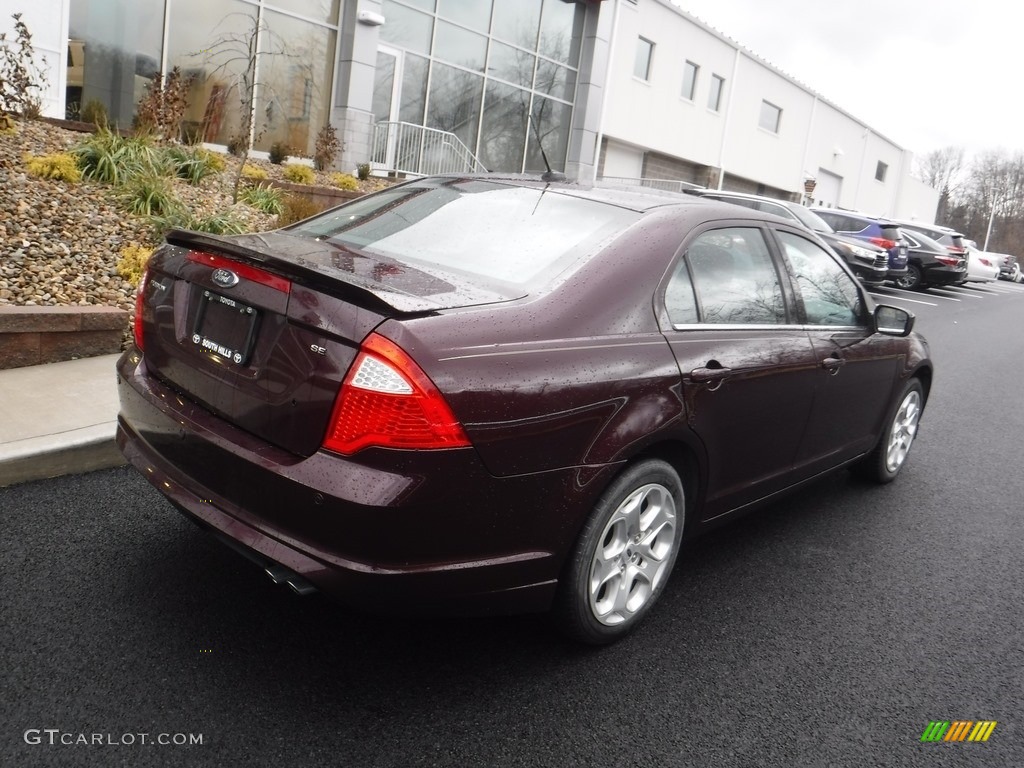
{"x":140,"y":297}
{"x":950,"y":260}
{"x":883,"y":242}
{"x":388,"y":401}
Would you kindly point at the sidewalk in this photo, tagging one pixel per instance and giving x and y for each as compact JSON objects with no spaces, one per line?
{"x":58,"y":419}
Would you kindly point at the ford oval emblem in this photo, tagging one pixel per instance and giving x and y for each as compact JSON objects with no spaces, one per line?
{"x":225,"y":278}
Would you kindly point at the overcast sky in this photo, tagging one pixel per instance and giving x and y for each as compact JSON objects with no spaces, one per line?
{"x":927,"y":74}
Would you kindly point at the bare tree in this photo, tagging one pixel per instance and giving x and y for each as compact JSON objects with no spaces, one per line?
{"x":943,"y":170}
{"x":236,"y":54}
{"x":987,"y":202}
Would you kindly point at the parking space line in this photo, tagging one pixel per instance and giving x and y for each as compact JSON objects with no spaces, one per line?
{"x":903,"y":298}
{"x":899,"y":291}
{"x":960,"y":293}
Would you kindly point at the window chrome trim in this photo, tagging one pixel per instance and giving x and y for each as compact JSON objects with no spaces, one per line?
{"x":764,"y":327}
{"x":736,"y":326}
{"x":859,"y":328}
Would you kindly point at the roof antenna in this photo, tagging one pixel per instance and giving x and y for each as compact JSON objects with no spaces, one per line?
{"x":548,"y":175}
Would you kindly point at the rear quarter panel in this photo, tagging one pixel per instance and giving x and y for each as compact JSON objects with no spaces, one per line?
{"x":580,"y":375}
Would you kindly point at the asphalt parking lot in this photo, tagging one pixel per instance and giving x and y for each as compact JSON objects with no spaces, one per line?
{"x":829,"y":629}
{"x":945,"y":296}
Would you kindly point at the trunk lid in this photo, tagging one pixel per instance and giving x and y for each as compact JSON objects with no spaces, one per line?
{"x":261,"y":329}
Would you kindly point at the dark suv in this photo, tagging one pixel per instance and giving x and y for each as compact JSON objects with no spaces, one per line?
{"x":881,"y":232}
{"x":870,"y":263}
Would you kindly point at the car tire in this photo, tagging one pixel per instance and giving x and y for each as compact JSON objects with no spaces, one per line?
{"x":884,"y":463}
{"x":912,"y":280}
{"x":624,"y":555}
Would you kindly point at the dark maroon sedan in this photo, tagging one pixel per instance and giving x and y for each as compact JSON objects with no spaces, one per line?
{"x":482,"y":394}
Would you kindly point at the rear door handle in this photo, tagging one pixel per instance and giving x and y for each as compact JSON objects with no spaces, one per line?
{"x":833,"y":364}
{"x":703,"y":375}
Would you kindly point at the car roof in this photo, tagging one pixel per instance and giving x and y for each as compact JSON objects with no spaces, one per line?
{"x":634,"y":198}
{"x":930,"y":227}
{"x":747,"y":195}
{"x":742,"y":196}
{"x":857,"y":215}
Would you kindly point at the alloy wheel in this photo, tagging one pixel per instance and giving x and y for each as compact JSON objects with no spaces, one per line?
{"x":903,"y":431}
{"x":633,"y":554}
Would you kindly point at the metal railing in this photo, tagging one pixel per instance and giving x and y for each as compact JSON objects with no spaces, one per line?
{"x":419,"y":151}
{"x":669,"y":185}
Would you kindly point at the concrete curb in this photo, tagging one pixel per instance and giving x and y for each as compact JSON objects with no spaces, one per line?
{"x":80,"y":450}
{"x":58,"y":419}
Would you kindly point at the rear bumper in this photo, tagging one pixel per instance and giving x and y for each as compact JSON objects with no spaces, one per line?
{"x":869,"y":275}
{"x":437,"y":535}
{"x":944,"y":275}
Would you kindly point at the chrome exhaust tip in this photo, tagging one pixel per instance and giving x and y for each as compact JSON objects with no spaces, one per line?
{"x":281,"y":575}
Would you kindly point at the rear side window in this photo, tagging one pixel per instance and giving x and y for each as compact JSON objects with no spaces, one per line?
{"x":680,"y":301}
{"x":841,"y":223}
{"x":728,"y":278}
{"x":506,"y":232}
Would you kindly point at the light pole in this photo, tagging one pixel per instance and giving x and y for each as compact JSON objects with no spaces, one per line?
{"x":991,"y":216}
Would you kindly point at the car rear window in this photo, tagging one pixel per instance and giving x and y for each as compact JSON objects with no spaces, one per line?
{"x":891,"y":232}
{"x":497,"y":230}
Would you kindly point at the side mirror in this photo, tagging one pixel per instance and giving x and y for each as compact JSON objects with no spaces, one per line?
{"x":893,"y":321}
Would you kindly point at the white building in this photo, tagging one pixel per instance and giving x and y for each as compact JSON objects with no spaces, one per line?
{"x":616,"y":88}
{"x":686,"y":102}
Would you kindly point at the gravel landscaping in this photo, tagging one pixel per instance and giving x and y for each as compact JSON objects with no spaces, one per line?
{"x":60,"y":242}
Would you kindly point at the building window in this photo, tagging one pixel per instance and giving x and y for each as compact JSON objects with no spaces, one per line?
{"x":880,"y":171}
{"x":715,"y":93}
{"x":484,"y":71}
{"x":690,"y":71}
{"x":771,"y":116}
{"x":114,"y":63}
{"x":644,"y":55}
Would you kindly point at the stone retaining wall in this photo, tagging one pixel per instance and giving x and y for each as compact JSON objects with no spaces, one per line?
{"x":36,"y":335}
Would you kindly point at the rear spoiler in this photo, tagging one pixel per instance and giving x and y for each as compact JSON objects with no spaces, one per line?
{"x":339,"y":271}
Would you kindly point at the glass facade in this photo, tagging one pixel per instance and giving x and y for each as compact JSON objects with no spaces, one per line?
{"x":280,"y":51}
{"x":294,"y":93}
{"x":208,"y":41}
{"x":114,"y":51}
{"x":481,"y":69}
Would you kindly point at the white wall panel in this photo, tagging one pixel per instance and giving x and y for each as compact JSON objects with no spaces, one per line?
{"x":47,"y":21}
{"x":813,"y":134}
